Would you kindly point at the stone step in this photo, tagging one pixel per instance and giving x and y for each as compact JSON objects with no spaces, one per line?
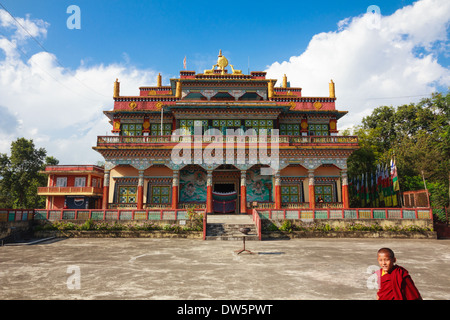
{"x":233,"y":238}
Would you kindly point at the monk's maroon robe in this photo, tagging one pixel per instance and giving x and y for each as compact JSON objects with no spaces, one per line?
{"x":397,"y":285}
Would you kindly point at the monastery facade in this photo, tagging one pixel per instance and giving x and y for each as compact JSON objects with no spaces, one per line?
{"x":220,"y":140}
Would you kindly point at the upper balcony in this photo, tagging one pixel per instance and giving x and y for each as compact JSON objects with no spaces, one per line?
{"x":78,"y":191}
{"x":284,"y":141}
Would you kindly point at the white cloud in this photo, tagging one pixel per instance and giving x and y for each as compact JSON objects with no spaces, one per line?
{"x":374,"y":64}
{"x":60,"y":109}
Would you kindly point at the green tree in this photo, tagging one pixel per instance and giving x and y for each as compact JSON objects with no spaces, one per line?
{"x":418,"y":136}
{"x":20,"y":175}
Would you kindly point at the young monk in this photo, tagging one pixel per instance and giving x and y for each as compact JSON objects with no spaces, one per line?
{"x":395,"y":283}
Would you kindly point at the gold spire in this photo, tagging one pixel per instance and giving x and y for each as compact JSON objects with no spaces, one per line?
{"x":158,"y":80}
{"x":284,"y":81}
{"x":332,"y":91}
{"x":178,"y":90}
{"x":116,"y":92}
{"x":270,"y":89}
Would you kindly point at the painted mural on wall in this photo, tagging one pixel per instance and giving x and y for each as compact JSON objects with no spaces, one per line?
{"x":192,"y":185}
{"x":258,"y":187}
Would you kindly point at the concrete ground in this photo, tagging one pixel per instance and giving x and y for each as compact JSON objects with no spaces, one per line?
{"x":182,"y":269}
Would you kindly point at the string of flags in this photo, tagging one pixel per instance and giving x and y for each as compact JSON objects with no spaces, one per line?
{"x":376,"y":189}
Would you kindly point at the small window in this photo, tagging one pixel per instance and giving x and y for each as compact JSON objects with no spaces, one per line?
{"x":161,"y":194}
{"x":127,"y":194}
{"x":290,"y":193}
{"x":156,"y":129}
{"x":289,"y":129}
{"x":318,"y":129}
{"x":80,"y":182}
{"x":61,"y":182}
{"x":131,"y":129}
{"x":325,"y":192}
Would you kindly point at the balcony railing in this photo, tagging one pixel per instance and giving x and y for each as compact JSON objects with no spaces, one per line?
{"x":104,"y":141}
{"x":70,"y":190}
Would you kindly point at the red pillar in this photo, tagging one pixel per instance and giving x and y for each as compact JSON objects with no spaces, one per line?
{"x":140,"y":197}
{"x":277,"y":191}
{"x":105,"y":199}
{"x":243,"y":192}
{"x":140,"y":190}
{"x":175,"y":189}
{"x":312,"y":196}
{"x":345,"y":197}
{"x":209,"y":200}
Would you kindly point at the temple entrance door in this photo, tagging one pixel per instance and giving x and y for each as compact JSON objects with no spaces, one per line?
{"x":224,"y":187}
{"x":225,"y":197}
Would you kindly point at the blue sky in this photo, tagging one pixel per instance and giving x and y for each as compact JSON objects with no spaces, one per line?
{"x":55,"y":85}
{"x":158,"y":34}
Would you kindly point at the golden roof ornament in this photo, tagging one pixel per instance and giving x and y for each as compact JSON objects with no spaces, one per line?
{"x":221,"y":64}
{"x":332,"y":90}
{"x":159,"y":80}
{"x":116,"y":92}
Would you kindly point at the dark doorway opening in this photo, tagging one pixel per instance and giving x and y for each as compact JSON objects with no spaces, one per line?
{"x":224,"y":188}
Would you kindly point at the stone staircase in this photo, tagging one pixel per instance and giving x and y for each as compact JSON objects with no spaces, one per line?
{"x":226,"y":227}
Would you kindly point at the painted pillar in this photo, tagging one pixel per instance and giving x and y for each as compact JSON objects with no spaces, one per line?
{"x":312,"y":197}
{"x":344,"y":183}
{"x":209,"y":199}
{"x":175,"y":185}
{"x":105,"y":199}
{"x":140,"y":190}
{"x":243,"y":192}
{"x":277,"y":190}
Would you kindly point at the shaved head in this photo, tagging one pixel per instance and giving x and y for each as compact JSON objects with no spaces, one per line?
{"x":387,"y":251}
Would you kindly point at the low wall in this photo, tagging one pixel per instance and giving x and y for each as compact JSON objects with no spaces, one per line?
{"x":10,"y":228}
{"x":118,"y":234}
{"x":117,"y":229}
{"x":348,"y":228}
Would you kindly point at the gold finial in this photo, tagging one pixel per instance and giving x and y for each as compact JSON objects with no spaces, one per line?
{"x":116,"y":92}
{"x":178,"y":90}
{"x":332,"y":90}
{"x":222,"y":62}
{"x":284,"y":81}
{"x":158,"y":80}
{"x":270,"y":89}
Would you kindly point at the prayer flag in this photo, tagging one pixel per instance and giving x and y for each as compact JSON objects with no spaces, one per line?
{"x":184,"y":63}
{"x":394,"y":176}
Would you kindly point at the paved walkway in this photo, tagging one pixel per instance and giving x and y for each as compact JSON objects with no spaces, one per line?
{"x":193,"y":269}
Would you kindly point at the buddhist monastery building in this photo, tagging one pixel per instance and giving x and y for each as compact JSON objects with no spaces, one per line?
{"x":220,"y":140}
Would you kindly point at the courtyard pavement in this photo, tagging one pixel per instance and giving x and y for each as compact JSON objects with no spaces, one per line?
{"x":183,"y":269}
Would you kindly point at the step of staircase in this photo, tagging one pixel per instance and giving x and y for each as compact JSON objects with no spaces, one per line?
{"x":226,"y":227}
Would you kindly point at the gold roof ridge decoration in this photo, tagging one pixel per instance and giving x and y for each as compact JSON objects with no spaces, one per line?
{"x":221,"y":64}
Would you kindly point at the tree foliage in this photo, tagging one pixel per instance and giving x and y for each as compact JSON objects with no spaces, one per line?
{"x":417,"y":136}
{"x":20,"y":175}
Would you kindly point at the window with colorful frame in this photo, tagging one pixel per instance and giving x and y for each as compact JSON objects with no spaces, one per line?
{"x":324,"y":191}
{"x":131,"y":129}
{"x":260,"y":124}
{"x":318,"y":129}
{"x":287,"y":129}
{"x":160,"y":194}
{"x":290,"y":193}
{"x":223,"y":124}
{"x":155,"y":129}
{"x":187,"y":126}
{"x":127,"y":194}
